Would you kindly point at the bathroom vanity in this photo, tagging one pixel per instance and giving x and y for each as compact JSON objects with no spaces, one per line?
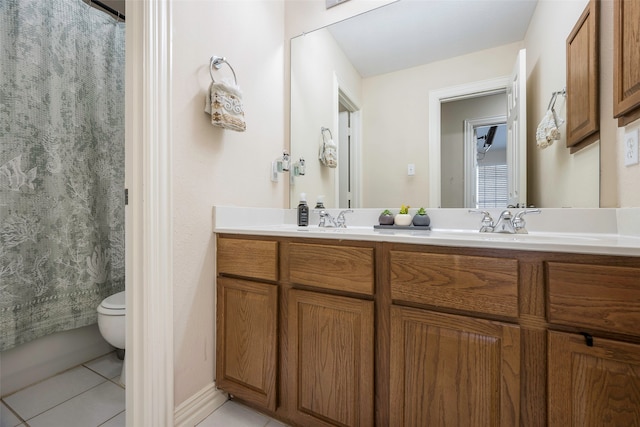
{"x":359,"y":328}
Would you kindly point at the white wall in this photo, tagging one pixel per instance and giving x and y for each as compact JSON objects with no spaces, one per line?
{"x":387,"y":149}
{"x":212,"y":166}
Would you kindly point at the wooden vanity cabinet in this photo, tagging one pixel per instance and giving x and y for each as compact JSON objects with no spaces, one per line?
{"x":323,"y":332}
{"x":247,"y":319}
{"x":331,"y":334}
{"x":453,"y":369}
{"x":295,"y":325}
{"x":593,"y":380}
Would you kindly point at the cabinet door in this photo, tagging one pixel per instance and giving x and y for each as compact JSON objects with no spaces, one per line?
{"x":330,"y":359}
{"x":453,"y":370}
{"x":626,"y":73}
{"x":583,"y":77}
{"x":247,"y":340}
{"x":592,"y":386}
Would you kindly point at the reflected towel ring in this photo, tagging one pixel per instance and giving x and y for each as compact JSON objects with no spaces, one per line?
{"x":217,"y":61}
{"x":323,"y":130}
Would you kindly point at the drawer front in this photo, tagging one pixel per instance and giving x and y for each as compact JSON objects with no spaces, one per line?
{"x":602,"y":297}
{"x":256,"y":259}
{"x":344,"y":268}
{"x":471,"y":283}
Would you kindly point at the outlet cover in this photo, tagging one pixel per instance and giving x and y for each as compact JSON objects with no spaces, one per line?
{"x":631,"y":148}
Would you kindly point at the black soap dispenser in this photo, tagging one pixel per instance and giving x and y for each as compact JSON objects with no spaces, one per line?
{"x":303,"y":211}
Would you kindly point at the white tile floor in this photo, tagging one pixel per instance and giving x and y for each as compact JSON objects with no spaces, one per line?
{"x":90,"y":395}
{"x":233,"y":414}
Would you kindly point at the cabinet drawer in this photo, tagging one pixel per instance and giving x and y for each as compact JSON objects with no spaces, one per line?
{"x":602,"y":297}
{"x":249,"y":258}
{"x":471,"y":283}
{"x":344,"y":268}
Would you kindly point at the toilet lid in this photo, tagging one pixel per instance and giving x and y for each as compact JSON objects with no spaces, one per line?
{"x":114,"y":302}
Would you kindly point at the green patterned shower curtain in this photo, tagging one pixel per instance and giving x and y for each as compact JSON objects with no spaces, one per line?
{"x":61,"y":166}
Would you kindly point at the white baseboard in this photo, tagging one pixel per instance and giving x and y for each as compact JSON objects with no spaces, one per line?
{"x":199,"y":406}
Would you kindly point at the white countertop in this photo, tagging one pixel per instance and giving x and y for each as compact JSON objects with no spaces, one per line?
{"x":589,"y":231}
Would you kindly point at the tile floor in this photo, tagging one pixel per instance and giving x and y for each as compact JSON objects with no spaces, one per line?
{"x":90,"y":395}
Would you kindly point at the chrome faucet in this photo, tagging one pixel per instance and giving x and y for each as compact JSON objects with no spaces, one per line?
{"x":507,"y":223}
{"x":519,"y":222}
{"x":341,"y":222}
{"x":326,"y":220}
{"x":487,"y":222}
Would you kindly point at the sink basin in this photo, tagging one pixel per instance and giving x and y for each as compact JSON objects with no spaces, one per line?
{"x":541,"y":237}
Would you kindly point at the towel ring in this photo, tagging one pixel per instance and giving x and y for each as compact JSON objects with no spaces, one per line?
{"x":322,"y":131}
{"x":217,"y":61}
{"x":554,"y":96}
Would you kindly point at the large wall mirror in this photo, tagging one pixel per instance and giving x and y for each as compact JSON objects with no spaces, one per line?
{"x":417,"y":95}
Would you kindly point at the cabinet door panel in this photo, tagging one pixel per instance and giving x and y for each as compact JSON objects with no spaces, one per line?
{"x":626,"y":82}
{"x":453,"y":370}
{"x":247,"y":340}
{"x":583,"y":118}
{"x":331,"y":355}
{"x":593,"y":386}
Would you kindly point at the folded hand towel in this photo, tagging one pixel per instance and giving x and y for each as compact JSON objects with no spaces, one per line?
{"x":329,"y":153}
{"x":224,"y":103}
{"x":547,"y":131}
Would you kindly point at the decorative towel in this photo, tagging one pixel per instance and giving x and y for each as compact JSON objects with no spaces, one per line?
{"x":547,"y":131}
{"x":329,"y":153}
{"x":224,"y":103}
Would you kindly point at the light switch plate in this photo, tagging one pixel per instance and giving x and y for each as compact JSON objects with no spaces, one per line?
{"x":411,"y":169}
{"x":631,"y":148}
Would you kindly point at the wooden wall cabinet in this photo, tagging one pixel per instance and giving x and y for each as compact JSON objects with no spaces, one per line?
{"x":583,"y":80}
{"x":626,"y":69}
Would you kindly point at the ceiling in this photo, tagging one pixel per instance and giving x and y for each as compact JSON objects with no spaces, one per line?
{"x":409,"y":33}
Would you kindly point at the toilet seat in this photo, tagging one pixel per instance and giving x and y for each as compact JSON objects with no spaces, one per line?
{"x":113,"y":305}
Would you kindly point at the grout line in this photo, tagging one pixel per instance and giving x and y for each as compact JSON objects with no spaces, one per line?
{"x":22,"y":420}
{"x":106,"y":421}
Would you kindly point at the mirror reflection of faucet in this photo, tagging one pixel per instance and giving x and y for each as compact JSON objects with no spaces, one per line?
{"x":328,"y":221}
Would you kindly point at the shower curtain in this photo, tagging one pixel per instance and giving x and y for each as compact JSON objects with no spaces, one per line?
{"x":61,"y":166}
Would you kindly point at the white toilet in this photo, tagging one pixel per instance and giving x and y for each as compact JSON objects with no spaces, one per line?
{"x":111,"y":322}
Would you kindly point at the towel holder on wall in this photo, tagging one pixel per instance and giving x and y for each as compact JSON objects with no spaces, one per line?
{"x":554,"y":95}
{"x":217,"y":61}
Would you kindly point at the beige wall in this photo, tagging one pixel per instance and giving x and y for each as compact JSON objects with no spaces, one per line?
{"x":212,"y":166}
{"x":402,"y":99}
{"x":556,"y":178}
{"x":220,"y":167}
{"x":318,"y":64}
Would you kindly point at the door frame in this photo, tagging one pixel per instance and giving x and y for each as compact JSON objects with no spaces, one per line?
{"x":436,"y":98}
